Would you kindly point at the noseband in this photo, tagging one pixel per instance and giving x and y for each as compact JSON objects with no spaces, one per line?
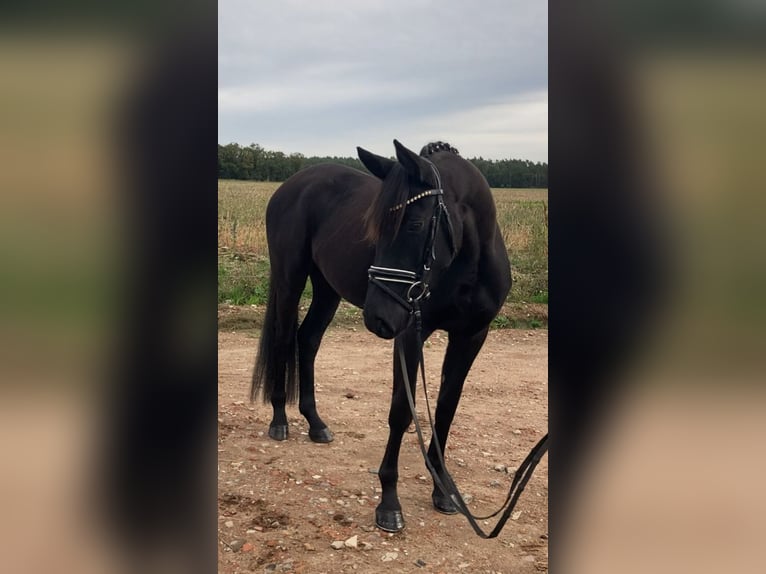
{"x":418,"y":287}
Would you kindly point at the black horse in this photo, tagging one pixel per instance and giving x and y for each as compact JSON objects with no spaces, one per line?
{"x":422,"y":234}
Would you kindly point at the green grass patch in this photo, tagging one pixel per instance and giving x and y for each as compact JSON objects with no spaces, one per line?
{"x":242,"y":280}
{"x":541,"y":297}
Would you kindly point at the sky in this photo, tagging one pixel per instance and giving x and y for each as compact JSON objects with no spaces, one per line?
{"x":322,"y":77}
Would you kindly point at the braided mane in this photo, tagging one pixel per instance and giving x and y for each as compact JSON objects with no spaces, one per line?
{"x":433,"y":147}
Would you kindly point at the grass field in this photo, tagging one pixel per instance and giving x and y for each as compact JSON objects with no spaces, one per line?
{"x":243,"y":263}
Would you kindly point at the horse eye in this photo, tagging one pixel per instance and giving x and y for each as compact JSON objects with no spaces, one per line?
{"x":415,"y":225}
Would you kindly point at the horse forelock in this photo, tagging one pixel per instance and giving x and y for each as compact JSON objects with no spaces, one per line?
{"x":380,"y":216}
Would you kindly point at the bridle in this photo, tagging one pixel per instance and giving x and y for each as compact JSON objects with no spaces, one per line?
{"x":418,"y":288}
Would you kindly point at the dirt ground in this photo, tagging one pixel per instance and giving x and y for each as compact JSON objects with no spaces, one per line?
{"x":282,"y":504}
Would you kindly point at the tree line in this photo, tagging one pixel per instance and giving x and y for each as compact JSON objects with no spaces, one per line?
{"x":256,"y":163}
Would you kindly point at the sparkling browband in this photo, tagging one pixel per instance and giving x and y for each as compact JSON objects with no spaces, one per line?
{"x":414,"y":198}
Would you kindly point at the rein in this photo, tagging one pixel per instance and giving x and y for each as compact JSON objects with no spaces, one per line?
{"x":448,"y":486}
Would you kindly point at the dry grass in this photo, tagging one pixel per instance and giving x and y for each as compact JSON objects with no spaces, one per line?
{"x":241,"y":215}
{"x":243,"y":252}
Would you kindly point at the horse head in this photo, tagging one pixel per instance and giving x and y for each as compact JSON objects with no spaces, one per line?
{"x":412,"y":230}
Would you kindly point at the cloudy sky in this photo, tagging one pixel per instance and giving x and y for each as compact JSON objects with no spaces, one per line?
{"x":321,"y":77}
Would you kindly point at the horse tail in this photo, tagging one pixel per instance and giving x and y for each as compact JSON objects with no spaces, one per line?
{"x":277,"y":352}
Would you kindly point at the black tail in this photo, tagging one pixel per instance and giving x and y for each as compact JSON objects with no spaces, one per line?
{"x":277,"y":352}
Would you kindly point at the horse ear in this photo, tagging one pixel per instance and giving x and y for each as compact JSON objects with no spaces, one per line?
{"x":413,"y":163}
{"x":379,"y":166}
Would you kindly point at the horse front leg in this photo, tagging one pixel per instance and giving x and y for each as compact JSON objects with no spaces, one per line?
{"x":460,"y":354}
{"x":388,"y":514}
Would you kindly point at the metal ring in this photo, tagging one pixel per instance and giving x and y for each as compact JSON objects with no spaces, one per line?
{"x":423,"y":290}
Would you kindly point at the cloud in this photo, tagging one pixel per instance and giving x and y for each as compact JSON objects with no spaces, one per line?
{"x":321,"y":79}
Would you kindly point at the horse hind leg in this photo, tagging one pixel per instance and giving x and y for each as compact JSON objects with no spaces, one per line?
{"x":323,"y":306}
{"x":275,"y":371}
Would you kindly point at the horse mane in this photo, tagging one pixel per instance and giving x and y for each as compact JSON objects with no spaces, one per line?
{"x":379,"y":218}
{"x":433,"y":147}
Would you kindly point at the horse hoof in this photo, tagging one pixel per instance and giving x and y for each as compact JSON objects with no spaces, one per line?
{"x":389,"y":520}
{"x":321,"y":435}
{"x":278,"y":432}
{"x":443,"y":504}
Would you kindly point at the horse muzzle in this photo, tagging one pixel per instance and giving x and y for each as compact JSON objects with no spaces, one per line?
{"x":379,"y":326}
{"x":387,"y":312}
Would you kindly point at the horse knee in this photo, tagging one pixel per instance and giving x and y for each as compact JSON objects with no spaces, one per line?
{"x":399,"y":420}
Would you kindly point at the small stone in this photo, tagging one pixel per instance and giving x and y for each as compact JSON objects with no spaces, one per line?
{"x":309,"y":547}
{"x":352,"y":542}
{"x":229,"y":524}
{"x":422,"y":477}
{"x":515,"y":515}
{"x":236,"y":545}
{"x":463,"y":565}
{"x":517,"y":431}
{"x":337,"y":544}
{"x":250,"y":531}
{"x":258,"y":528}
{"x":366,"y":546}
{"x":420,"y":563}
{"x":528,"y":558}
{"x":389,"y":556}
{"x":500,"y":467}
{"x":372,"y":470}
{"x":247,"y":547}
{"x":495,"y":483}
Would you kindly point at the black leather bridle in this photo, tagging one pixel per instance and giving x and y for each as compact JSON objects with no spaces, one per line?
{"x":418,"y":287}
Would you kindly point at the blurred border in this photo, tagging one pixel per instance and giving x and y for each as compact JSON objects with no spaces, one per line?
{"x":108,"y":219}
{"x":656,"y":310}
